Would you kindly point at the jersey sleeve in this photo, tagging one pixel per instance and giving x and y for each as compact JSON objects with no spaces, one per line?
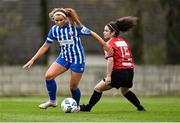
{"x":83,"y":30}
{"x":108,"y":55}
{"x":51,"y":37}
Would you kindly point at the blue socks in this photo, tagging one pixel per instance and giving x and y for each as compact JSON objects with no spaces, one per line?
{"x":76,"y":94}
{"x":51,"y":87}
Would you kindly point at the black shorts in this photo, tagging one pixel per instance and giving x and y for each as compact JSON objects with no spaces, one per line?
{"x":122,"y":78}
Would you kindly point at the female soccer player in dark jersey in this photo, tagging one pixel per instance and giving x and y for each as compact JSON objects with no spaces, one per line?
{"x":66,"y":31}
{"x":119,"y":64}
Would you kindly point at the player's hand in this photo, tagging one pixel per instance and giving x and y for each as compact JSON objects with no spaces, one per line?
{"x":108,"y":80}
{"x":28,"y":64}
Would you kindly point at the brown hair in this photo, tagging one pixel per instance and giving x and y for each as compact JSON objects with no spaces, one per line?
{"x":122,"y":24}
{"x":69,"y":12}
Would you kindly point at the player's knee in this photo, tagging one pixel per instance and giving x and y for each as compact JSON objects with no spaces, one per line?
{"x":49,"y":77}
{"x":97,"y":89}
{"x":124,"y":90}
{"x":73,"y":87}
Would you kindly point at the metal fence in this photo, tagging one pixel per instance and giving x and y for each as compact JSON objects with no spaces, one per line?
{"x":21,"y":26}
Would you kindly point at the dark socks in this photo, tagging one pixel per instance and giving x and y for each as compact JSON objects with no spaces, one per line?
{"x":133,"y":99}
{"x":96,"y":96}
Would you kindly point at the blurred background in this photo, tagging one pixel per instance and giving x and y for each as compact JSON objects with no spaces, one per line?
{"x":155,"y":43}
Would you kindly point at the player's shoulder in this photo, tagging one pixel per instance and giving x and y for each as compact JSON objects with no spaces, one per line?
{"x":117,"y":39}
{"x":53,"y":27}
{"x":112,"y":40}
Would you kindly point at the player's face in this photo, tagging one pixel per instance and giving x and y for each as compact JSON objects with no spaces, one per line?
{"x":107,"y":33}
{"x":60,"y":20}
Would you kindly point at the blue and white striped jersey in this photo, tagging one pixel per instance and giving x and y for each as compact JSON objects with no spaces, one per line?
{"x":69,"y":40}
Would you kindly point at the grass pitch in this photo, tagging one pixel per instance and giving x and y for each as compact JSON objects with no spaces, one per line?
{"x":109,"y":109}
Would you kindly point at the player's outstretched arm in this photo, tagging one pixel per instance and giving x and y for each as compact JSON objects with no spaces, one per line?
{"x":107,"y":47}
{"x":39,"y":53}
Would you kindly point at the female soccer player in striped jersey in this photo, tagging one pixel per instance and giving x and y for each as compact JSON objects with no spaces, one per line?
{"x":119,"y":64}
{"x":67,"y":31}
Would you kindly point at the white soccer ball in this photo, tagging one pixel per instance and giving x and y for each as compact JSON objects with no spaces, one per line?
{"x":69,"y":105}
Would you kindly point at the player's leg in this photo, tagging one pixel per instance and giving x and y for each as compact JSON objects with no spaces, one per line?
{"x":54,"y":70}
{"x":129,"y":95}
{"x":74,"y":82}
{"x":96,"y":96}
{"x":123,"y":78}
{"x":76,"y":75}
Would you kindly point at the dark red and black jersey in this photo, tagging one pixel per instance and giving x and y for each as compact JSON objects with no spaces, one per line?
{"x":121,"y":53}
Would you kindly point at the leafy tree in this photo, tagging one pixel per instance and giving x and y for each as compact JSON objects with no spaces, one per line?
{"x":172,"y":33}
{"x":44,"y":26}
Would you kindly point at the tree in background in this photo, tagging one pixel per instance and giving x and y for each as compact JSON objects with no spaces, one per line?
{"x":172,"y":30}
{"x":44,"y":26}
{"x":137,"y":43}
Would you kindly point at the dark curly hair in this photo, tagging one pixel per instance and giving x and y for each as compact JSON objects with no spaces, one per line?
{"x":122,"y":24}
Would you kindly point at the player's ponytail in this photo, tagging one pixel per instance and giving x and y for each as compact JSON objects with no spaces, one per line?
{"x":126,"y":23}
{"x":72,"y":14}
{"x":66,"y":12}
{"x":122,"y":24}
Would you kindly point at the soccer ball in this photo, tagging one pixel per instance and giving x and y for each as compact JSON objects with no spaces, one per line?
{"x":68,"y":105}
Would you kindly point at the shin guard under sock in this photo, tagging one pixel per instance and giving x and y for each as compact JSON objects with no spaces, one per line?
{"x":132,"y":98}
{"x":76,"y":95}
{"x":51,"y":87}
{"x":96,"y":96}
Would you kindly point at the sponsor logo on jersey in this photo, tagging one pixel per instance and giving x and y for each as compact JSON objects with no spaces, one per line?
{"x":120,"y":43}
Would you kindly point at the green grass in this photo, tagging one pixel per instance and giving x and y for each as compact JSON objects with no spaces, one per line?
{"x":116,"y":109}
